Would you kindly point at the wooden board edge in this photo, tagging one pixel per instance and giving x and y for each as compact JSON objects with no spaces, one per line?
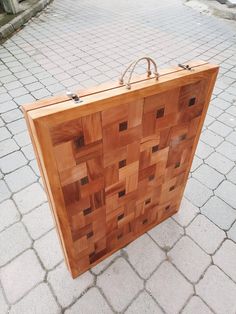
{"x":105,"y":86}
{"x":32,"y":128}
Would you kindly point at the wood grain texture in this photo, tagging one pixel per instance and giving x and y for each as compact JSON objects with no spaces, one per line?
{"x":116,"y":165}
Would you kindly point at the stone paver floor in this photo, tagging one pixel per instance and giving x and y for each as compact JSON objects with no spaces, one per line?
{"x":185,"y":265}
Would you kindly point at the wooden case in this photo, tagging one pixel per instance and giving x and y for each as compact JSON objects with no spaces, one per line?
{"x":115,"y":164}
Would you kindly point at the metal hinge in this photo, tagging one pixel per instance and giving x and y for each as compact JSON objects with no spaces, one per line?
{"x":73,"y":96}
{"x":185,"y":67}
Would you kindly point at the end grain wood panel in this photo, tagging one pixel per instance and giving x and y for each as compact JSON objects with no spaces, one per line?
{"x":116,"y":164}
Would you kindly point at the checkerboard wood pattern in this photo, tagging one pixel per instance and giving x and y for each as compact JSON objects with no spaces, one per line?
{"x":120,"y":169}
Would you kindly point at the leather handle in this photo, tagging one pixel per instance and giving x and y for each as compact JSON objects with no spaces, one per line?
{"x":132,"y":66}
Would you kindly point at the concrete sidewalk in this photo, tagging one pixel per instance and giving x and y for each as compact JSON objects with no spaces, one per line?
{"x":185,"y":265}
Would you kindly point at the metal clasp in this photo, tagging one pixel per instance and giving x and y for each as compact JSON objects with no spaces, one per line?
{"x":73,"y":96}
{"x":185,"y":67}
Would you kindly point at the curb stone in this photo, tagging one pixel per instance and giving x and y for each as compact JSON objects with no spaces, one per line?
{"x":212,"y":7}
{"x":9,"y":28}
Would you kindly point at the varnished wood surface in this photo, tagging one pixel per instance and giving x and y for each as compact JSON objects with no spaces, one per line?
{"x":116,"y":164}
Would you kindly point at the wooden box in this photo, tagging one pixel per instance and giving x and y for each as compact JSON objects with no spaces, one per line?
{"x":115,"y":163}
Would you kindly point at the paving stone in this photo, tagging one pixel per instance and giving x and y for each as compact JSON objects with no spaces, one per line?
{"x":232,"y":232}
{"x":18,"y":92}
{"x":34,"y":165}
{"x":8,"y":214}
{"x":228,"y":150}
{"x":17,"y":279}
{"x":208,"y":120}
{"x":20,"y":178}
{"x":65,"y":288}
{"x":227,"y":192}
{"x":210,"y":138}
{"x":226,"y":96}
{"x":3,"y":303}
{"x":143,"y":304}
{"x":220,"y":128}
{"x":232,"y":175}
{"x":189,"y":258}
{"x":42,"y":214}
{"x":41,"y":93}
{"x":25,"y":99}
{"x":8,"y":146}
{"x":167,"y":282}
{"x":196,"y":163}
{"x":39,"y":300}
{"x":84,"y":304}
{"x":28,"y":152}
{"x":232,"y":138}
{"x":17,"y":126}
{"x":22,"y":139}
{"x":219,"y":163}
{"x":12,"y":161}
{"x":105,"y":263}
{"x":5,"y":97}
{"x":29,"y":198}
{"x":231,"y":110}
{"x":4,"y":191}
{"x":208,"y":176}
{"x":166,"y":234}
{"x":34,"y":86}
{"x":12,"y":115}
{"x":196,"y":192}
{"x":12,"y":85}
{"x":219,"y":212}
{"x":49,"y":249}
{"x":120,"y":280}
{"x":218,"y":291}
{"x":203,"y":150}
{"x":225,"y":258}
{"x":13,"y":241}
{"x":4,"y":134}
{"x":6,"y":106}
{"x":186,"y":213}
{"x":228,"y":119}
{"x":207,"y":235}
{"x":137,"y":255}
{"x":196,"y":306}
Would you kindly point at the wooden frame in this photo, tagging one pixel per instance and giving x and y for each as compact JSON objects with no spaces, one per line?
{"x":116,"y":164}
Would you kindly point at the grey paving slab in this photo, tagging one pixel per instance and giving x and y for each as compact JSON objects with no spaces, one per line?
{"x":49,"y":249}
{"x":166,"y":234}
{"x":227,"y":191}
{"x":144,"y":304}
{"x":208,"y":176}
{"x":31,"y":221}
{"x":218,"y":291}
{"x":84,"y":304}
{"x":65,"y":288}
{"x":196,"y":306}
{"x":13,"y":241}
{"x":219,"y":212}
{"x":39,"y":300}
{"x":138,"y":251}
{"x":119,"y":279}
{"x":189,"y":258}
{"x":197,"y":193}
{"x":219,"y":163}
{"x":3,"y":303}
{"x":24,"y":278}
{"x":207,"y":235}
{"x":166,"y":282}
{"x":8,"y":214}
{"x":225,"y":258}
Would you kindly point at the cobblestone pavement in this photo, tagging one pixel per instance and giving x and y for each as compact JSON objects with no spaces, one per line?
{"x":185,"y":265}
